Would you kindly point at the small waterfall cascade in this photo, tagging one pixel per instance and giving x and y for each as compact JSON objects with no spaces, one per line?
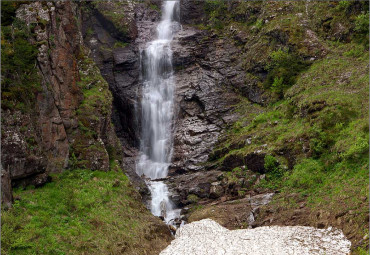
{"x":157,"y":113}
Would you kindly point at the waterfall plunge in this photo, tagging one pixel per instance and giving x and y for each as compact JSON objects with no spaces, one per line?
{"x":157,"y":112}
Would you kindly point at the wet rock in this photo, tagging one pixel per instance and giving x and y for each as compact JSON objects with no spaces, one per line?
{"x":198,"y":183}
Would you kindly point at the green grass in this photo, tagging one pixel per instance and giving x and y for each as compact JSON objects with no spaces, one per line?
{"x":316,"y":139}
{"x":80,"y":212}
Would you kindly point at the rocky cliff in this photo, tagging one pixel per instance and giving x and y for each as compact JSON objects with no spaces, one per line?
{"x":59,"y":103}
{"x":68,"y":124}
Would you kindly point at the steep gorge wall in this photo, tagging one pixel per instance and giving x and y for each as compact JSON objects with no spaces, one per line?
{"x":69,"y":125}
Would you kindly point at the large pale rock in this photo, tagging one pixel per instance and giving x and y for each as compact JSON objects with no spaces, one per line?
{"x":207,"y":237}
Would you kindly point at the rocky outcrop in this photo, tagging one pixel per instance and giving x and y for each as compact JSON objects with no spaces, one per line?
{"x":192,"y":11}
{"x":118,"y":59}
{"x":57,"y":33}
{"x":205,"y":98}
{"x":70,"y":124}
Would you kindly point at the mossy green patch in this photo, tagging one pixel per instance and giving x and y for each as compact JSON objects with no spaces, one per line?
{"x":81,"y":211}
{"x":20,"y":79}
{"x":114,"y":11}
{"x":316,"y":139}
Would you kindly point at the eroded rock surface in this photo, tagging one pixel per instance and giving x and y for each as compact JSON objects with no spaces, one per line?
{"x":204,"y":96}
{"x":207,"y":237}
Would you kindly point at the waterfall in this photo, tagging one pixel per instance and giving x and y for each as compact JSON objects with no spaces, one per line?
{"x":157,"y":112}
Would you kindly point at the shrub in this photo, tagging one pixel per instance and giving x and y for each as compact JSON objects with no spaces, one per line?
{"x":362,"y":28}
{"x":343,"y":5}
{"x":259,"y":24}
{"x":272,"y":167}
{"x":357,"y":149}
{"x":193,"y":198}
{"x":283,"y":70}
{"x":306,"y":174}
{"x":362,"y":23}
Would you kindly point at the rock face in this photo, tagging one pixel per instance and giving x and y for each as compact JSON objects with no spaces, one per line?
{"x":57,"y":132}
{"x":205,"y":98}
{"x":207,"y":237}
{"x":192,"y":11}
{"x":118,"y":59}
{"x":209,"y":77}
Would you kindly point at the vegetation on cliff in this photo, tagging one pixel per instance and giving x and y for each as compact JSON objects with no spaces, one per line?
{"x":312,"y":61}
{"x":80,"y":210}
{"x":19,"y":77}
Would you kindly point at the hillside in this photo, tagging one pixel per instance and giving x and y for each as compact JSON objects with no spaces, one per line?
{"x":249,"y":113}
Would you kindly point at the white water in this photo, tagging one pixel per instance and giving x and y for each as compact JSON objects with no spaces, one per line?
{"x":157,"y":112}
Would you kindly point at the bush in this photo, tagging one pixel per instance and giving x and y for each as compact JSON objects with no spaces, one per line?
{"x":359,"y":148}
{"x":362,"y":28}
{"x":306,"y":174}
{"x":20,"y":80}
{"x":343,"y":5}
{"x":362,"y":23}
{"x":272,"y":167}
{"x":8,"y":9}
{"x":283,"y":70}
{"x":259,"y":24}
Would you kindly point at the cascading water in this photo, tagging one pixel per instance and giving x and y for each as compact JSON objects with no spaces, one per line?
{"x":157,"y":113}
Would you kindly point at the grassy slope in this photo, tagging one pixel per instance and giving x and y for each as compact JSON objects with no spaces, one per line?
{"x":315,"y":132}
{"x":330,"y":143}
{"x":81,"y":212}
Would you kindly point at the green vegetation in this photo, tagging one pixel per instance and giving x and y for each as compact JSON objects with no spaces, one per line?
{"x":215,"y":10}
{"x":316,"y":138}
{"x":8,"y":9}
{"x":193,"y":199}
{"x":283,"y":69}
{"x":80,"y":212}
{"x":20,"y":80}
{"x":114,"y":11}
{"x":119,"y":44}
{"x":95,"y":107}
{"x":362,"y":28}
